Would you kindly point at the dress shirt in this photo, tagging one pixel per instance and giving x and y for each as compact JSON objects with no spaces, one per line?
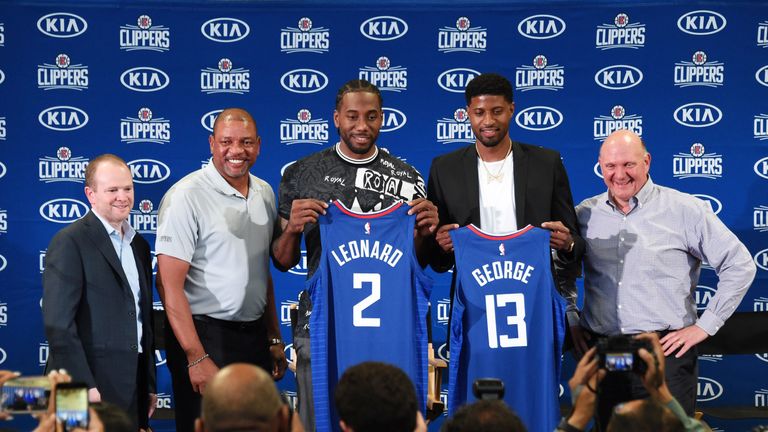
{"x":122,"y":245}
{"x":641,"y":268}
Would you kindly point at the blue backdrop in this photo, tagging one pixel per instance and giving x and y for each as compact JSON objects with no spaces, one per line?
{"x":145,"y":82}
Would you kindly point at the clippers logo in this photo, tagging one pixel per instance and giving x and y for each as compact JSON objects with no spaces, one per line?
{"x":762,"y":75}
{"x":384,"y":28}
{"x":443,"y":311}
{"x":761,"y":167}
{"x":208,"y":118}
{"x":304,"y":81}
{"x":144,"y":79}
{"x":385,"y":76}
{"x":62,"y":168}
{"x":63,"y":210}
{"x":304,"y":130}
{"x":455,"y":80}
{"x":760,"y":218}
{"x":762,"y":34}
{"x":300,"y":268}
{"x":392,"y":119}
{"x":603,"y":125}
{"x":701,"y":22}
{"x":708,"y":389}
{"x":444,"y":353}
{"x":539,"y":118}
{"x":63,"y":118}
{"x":3,"y":221}
{"x":698,"y":114}
{"x":159,"y":360}
{"x":455,"y":130}
{"x":713,"y":202}
{"x":703,"y":295}
{"x":285,"y":311}
{"x":3,"y":131}
{"x":225,"y":79}
{"x":699,"y":72}
{"x":761,"y":260}
{"x":462,"y":38}
{"x":697,"y":164}
{"x":144,"y":219}
{"x":42,"y":354}
{"x":761,"y":398}
{"x":3,"y":263}
{"x":164,"y":399}
{"x":620,"y":34}
{"x":225,"y":30}
{"x":305,"y":38}
{"x":541,"y":27}
{"x":145,"y":128}
{"x":62,"y":75}
{"x":618,"y":77}
{"x":62,"y":25}
{"x":540,"y":76}
{"x":760,"y":126}
{"x":148,"y":171}
{"x":145,"y":36}
{"x":761,"y":304}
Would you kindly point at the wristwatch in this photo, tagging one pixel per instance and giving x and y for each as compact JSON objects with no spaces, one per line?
{"x":275,"y":341}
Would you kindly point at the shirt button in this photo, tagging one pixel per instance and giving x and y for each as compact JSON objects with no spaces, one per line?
{"x":133,"y":347}
{"x":622,"y":238}
{"x":131,"y":314}
{"x":619,"y":283}
{"x":622,"y":329}
{"x":619,"y":306}
{"x":624,"y":218}
{"x":621,"y":261}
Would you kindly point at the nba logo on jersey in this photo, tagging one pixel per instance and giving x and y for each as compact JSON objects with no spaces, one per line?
{"x":508,"y":322}
{"x":369,"y":298}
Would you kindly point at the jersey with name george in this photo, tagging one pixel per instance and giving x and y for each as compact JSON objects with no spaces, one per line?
{"x":508,"y":322}
{"x":370,"y":301}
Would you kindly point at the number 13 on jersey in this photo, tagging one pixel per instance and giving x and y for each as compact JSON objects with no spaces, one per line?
{"x":516,"y":300}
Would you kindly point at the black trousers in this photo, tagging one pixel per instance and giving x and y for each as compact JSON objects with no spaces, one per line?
{"x":681,"y":375}
{"x":226,"y":342}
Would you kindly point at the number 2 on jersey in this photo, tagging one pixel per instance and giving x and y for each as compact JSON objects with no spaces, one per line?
{"x":504,"y":341}
{"x":358,"y":279}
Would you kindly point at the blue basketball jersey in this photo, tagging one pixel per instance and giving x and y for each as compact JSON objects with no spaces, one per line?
{"x":370,"y":301}
{"x":508,"y":322}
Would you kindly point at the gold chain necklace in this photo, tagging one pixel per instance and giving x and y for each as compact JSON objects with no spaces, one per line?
{"x":499,"y":176}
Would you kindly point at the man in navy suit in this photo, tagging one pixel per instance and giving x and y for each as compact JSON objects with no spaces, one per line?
{"x":97,"y":296}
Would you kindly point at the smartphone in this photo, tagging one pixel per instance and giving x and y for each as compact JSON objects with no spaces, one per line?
{"x":72,"y":405}
{"x":26,"y":394}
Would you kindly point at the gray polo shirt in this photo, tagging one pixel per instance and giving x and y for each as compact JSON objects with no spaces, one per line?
{"x":225,"y":237}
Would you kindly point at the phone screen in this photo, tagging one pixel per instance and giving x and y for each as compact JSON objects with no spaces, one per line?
{"x":619,"y":361}
{"x":26,"y":394}
{"x":72,"y":405}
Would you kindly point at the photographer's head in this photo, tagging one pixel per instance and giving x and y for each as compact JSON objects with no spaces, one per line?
{"x":644,"y":415}
{"x":486,"y":416}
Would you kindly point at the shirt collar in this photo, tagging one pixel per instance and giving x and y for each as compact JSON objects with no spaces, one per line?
{"x":128,"y":231}
{"x":221,"y":185}
{"x":346,"y":158}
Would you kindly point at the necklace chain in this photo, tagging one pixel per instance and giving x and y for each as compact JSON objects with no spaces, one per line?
{"x":499,"y":176}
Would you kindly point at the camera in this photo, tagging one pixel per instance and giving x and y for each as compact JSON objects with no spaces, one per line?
{"x":488,"y":389}
{"x":619,"y":354}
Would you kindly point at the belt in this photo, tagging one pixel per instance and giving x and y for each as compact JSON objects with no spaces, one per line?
{"x":233,"y":325}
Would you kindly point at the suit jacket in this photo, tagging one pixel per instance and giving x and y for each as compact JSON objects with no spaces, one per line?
{"x":542,"y":193}
{"x":90,"y":315}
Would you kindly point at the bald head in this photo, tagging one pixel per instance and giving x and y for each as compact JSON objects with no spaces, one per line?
{"x":625,"y":163}
{"x":234,"y":114}
{"x":241,"y":396}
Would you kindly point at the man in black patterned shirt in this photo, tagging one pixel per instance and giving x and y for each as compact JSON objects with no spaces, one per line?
{"x":364,"y":178}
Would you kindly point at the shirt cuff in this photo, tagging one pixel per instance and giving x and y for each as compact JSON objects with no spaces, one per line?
{"x":709,"y":322}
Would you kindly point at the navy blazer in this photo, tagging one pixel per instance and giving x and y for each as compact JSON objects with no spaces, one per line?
{"x":90,"y":315}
